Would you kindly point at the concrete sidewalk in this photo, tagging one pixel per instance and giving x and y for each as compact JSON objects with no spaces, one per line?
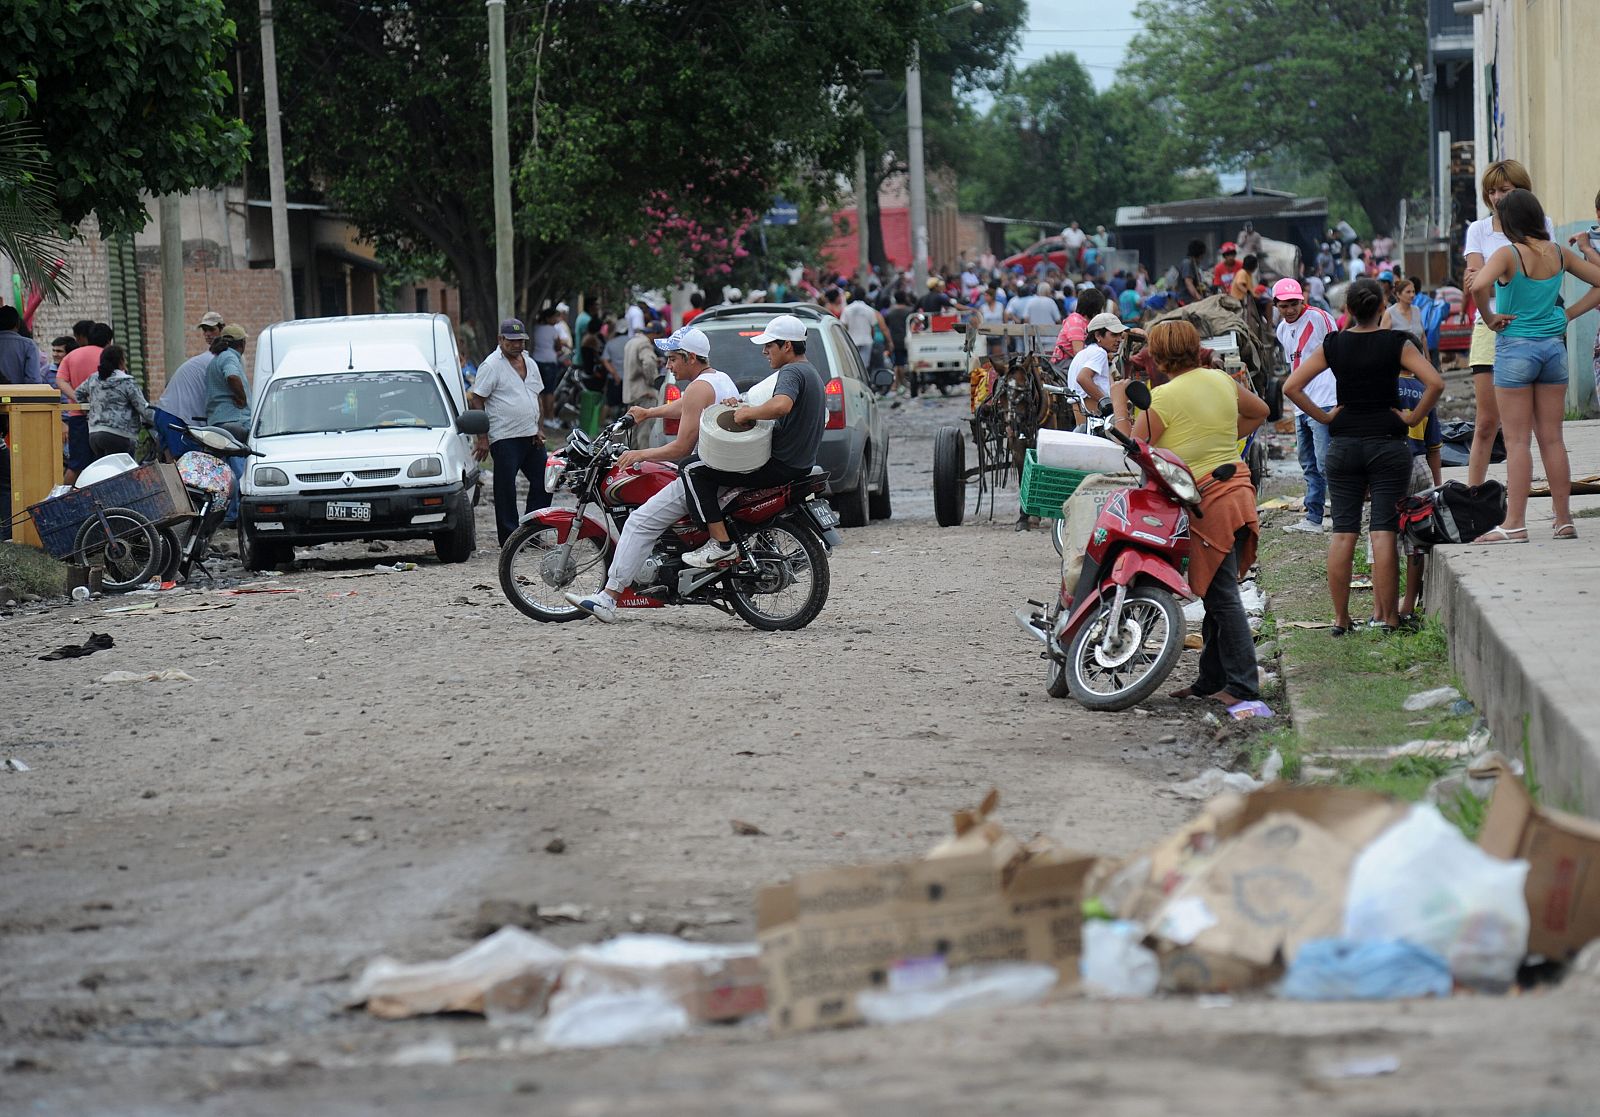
{"x":1524,"y":626}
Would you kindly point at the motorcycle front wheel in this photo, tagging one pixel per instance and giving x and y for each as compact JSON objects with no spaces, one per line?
{"x":1121,"y":673}
{"x":537,"y":571}
{"x":791,"y":585}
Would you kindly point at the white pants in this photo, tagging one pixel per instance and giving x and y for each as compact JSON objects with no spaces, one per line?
{"x":645,"y":525}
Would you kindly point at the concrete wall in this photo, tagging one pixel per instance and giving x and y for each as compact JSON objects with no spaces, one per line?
{"x":1540,"y":104}
{"x":251,"y":298}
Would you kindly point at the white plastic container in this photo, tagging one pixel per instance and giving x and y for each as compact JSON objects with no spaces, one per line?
{"x":1087,"y":452}
{"x":724,"y":446}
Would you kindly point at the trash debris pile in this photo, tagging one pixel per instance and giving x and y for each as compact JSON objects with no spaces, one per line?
{"x":1305,"y":892}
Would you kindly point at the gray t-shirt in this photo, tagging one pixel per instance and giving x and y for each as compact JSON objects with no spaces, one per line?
{"x":797,"y":435}
{"x":185,"y":395}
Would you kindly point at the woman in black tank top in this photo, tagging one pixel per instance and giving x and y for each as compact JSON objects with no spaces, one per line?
{"x":1367,"y":452}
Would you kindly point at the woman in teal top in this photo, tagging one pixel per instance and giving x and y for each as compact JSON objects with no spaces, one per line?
{"x":1530,"y":356}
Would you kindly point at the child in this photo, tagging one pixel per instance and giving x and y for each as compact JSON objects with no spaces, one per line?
{"x":1244,"y":280}
{"x":1425,"y":440}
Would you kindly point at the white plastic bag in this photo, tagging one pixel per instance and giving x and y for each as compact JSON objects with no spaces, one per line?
{"x":1423,"y":882}
{"x":983,"y":985}
{"x":1114,"y":964}
{"x":609,"y":1019}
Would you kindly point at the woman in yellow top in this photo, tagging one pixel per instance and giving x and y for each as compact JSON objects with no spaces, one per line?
{"x":1200,"y":414}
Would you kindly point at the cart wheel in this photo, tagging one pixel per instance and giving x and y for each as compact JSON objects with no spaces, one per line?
{"x":949,"y":475}
{"x":130,"y":556}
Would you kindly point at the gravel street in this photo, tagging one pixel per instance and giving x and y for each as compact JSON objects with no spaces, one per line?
{"x":193,"y":872}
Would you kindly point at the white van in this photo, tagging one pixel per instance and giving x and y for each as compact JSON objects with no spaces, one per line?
{"x":364,"y":433}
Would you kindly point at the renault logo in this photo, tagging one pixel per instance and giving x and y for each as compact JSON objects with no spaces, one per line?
{"x":348,"y":480}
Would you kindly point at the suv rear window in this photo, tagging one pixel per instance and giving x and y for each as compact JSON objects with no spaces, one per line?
{"x":733,"y":353}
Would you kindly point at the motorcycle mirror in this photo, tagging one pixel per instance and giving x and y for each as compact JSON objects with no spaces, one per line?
{"x":1139,"y":394}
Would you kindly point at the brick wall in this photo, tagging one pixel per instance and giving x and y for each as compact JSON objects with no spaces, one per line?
{"x":252,"y":298}
{"x":89,"y":271}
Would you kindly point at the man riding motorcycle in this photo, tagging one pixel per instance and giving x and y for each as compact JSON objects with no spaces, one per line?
{"x":688,"y":353}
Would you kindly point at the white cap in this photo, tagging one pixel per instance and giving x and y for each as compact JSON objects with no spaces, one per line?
{"x":562,"y":307}
{"x":690,"y":339}
{"x":785,"y":327}
{"x":1106,"y":321}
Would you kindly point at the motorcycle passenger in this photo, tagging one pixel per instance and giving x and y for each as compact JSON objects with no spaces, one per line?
{"x":798,"y":406}
{"x":688,"y":353}
{"x":1200,"y":414}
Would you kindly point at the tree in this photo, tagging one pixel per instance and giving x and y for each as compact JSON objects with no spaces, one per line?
{"x":28,"y":214}
{"x":1054,"y":149}
{"x":615,"y":109}
{"x":131,"y":99}
{"x":1331,"y":82}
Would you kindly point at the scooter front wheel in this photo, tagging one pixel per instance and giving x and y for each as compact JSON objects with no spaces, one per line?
{"x":1120,"y":672}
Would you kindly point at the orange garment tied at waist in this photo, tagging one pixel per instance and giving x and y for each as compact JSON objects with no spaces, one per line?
{"x":1228,"y":508}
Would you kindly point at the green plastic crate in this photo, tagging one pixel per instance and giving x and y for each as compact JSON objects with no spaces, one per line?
{"x":1045,"y":487}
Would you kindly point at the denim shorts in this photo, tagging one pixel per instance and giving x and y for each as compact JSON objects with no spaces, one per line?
{"x":1363,"y":468}
{"x":1521,"y":362}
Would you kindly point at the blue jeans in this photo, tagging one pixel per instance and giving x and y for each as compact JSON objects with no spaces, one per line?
{"x":1522,"y":362}
{"x":1311,"y":439}
{"x":237,"y":465}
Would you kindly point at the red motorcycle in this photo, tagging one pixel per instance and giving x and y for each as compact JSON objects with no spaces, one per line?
{"x":1114,"y":635}
{"x":784,"y":534}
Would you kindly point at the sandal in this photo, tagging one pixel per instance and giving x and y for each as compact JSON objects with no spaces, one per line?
{"x":1497,"y":535}
{"x":1565,"y":531}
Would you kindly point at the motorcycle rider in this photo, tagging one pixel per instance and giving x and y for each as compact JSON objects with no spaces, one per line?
{"x":688,"y":354}
{"x":797,"y":404}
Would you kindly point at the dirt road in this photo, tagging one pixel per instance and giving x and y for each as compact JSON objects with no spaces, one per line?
{"x":192,"y":872}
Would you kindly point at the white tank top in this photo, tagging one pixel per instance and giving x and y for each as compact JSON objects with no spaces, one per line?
{"x":721,"y":382}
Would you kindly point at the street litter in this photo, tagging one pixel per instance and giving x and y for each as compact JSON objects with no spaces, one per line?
{"x":395,"y":567}
{"x":1372,"y":1066}
{"x":1562,"y":852}
{"x":170,"y":675}
{"x":1115,"y":963}
{"x":1241,"y":710}
{"x":746,"y":829}
{"x":1278,"y":502}
{"x":141,"y":607}
{"x":1307,"y":624}
{"x":1250,"y":595}
{"x":1194,"y":641}
{"x":1423,"y":882}
{"x":707,"y":982}
{"x":611,"y":1019}
{"x":244,"y":591}
{"x":344,"y":593}
{"x":1214,"y":781}
{"x":393,"y":990}
{"x":17,"y":766}
{"x":1428,"y":699}
{"x":155,"y":585}
{"x":986,"y":985}
{"x":1370,"y":970}
{"x":97,"y":642}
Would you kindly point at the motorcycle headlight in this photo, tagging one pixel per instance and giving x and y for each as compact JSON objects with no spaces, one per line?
{"x":554,"y":470}
{"x":1179,"y":480}
{"x":269,"y":475}
{"x":426,"y":467}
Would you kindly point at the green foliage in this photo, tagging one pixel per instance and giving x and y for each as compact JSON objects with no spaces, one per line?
{"x":131,"y":97}
{"x":28,"y":214}
{"x":615,"y":109}
{"x":1052,"y":148}
{"x":1328,"y":82}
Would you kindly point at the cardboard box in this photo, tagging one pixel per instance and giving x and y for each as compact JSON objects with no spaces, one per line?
{"x":1232,"y":895}
{"x":1563,"y":855}
{"x":827,"y":935}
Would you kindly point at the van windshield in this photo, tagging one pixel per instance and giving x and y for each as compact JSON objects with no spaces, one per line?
{"x":351,"y":401}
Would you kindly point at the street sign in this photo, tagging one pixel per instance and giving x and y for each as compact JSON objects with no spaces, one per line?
{"x":782,"y":213}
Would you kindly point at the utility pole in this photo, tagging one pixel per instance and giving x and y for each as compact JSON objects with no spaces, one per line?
{"x":281,"y":260}
{"x":505,"y":297}
{"x":916,"y":172}
{"x":863,"y":256}
{"x":173,"y":351}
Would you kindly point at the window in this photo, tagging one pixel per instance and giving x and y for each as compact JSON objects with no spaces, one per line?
{"x":351,"y":401}
{"x":422,"y":300}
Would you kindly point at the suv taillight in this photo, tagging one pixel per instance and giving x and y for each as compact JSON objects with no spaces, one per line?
{"x":670,"y":426}
{"x":833,"y":397}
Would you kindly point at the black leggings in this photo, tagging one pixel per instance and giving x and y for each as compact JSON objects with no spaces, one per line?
{"x":1359,"y":466}
{"x":104,"y":443}
{"x":703,"y":482}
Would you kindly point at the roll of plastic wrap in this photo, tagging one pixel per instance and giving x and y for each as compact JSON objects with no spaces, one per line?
{"x":1071,"y":450}
{"x":761,"y":391}
{"x":723,"y":445}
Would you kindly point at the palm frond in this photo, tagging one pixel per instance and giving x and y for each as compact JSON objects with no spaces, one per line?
{"x":29,"y":218}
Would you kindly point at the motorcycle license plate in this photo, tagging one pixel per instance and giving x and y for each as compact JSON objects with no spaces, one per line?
{"x":822,"y":514}
{"x":349,"y":510}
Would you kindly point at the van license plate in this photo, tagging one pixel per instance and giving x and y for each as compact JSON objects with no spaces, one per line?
{"x":349,"y":510}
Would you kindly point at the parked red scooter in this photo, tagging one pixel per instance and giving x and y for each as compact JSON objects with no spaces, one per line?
{"x":1114,"y":636}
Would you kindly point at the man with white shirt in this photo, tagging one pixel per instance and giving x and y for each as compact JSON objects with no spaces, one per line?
{"x":1301,"y":331}
{"x":635,"y":318}
{"x":507,"y":387}
{"x":860,"y":318}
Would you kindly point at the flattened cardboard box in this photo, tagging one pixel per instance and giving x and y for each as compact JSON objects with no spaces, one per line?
{"x":1563,"y":855}
{"x":827,"y":935}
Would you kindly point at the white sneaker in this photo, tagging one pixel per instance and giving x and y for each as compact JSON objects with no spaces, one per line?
{"x":1304,"y":525}
{"x":600,"y":606}
{"x":714,"y":553}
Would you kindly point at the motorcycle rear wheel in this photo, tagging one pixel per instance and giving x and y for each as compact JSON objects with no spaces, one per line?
{"x":1152,"y":640}
{"x":531,"y":575}
{"x":798,"y":558}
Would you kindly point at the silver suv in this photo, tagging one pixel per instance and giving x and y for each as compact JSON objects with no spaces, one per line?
{"x":855,"y":445}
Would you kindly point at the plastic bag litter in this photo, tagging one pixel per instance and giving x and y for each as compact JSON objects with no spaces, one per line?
{"x":608,"y":1019}
{"x":1250,"y":595}
{"x":461,"y":983}
{"x":992,"y":985}
{"x":1369,"y":970}
{"x":1114,"y":963}
{"x":170,"y":675}
{"x":1213,"y":782}
{"x":1422,"y":882}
